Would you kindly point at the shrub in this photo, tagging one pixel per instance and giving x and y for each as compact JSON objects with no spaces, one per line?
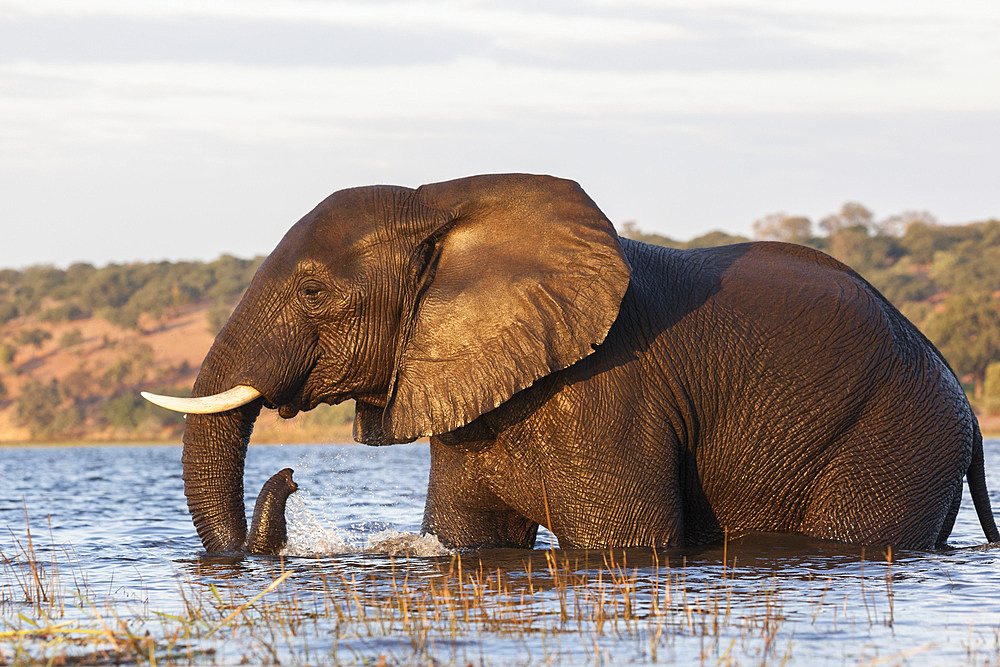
{"x":331,"y":415}
{"x":39,"y":408}
{"x":991,"y":389}
{"x":128,"y":411}
{"x":71,"y":338}
{"x":126,"y":317}
{"x":80,"y":385}
{"x":63,"y":313}
{"x":7,"y":353}
{"x":35,"y":337}
{"x":967,"y":331}
{"x":217,"y":317}
{"x":129,"y":370}
{"x":8,"y":311}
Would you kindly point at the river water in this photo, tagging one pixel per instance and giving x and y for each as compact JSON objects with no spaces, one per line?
{"x":112,"y":571}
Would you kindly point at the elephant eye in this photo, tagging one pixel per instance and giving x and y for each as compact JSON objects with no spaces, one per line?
{"x":313,"y":294}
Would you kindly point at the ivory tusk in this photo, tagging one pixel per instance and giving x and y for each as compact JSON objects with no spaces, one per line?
{"x":205,"y":405}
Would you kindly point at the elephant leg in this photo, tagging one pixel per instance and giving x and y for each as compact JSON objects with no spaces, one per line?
{"x":463,"y":512}
{"x":891,"y":499}
{"x":949,"y":521}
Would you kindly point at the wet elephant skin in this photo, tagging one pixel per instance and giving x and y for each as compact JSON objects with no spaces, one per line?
{"x":619,"y":393}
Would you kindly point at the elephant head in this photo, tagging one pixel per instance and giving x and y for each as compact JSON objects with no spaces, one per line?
{"x":428,"y":307}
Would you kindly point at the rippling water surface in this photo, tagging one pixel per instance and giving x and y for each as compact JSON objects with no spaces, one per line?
{"x":112,"y":570}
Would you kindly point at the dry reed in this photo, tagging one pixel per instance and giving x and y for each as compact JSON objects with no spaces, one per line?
{"x":578,"y":606}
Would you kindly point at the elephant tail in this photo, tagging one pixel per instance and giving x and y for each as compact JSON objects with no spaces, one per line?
{"x":977,"y":486}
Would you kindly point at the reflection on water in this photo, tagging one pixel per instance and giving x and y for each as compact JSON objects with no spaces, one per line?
{"x":110,"y":538}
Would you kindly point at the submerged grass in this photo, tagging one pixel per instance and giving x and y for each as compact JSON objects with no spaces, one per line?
{"x":539,"y":607}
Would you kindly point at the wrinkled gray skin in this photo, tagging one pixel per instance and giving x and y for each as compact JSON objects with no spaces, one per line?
{"x":616,"y":392}
{"x":268,"y":530}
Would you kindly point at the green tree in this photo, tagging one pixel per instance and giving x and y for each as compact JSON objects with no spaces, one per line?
{"x":127,"y":411}
{"x":79,"y":384}
{"x":40,"y":409}
{"x":966,"y":267}
{"x":36,"y":337}
{"x":70,"y":338}
{"x":110,"y":287}
{"x":966,"y":328}
{"x":63,"y":313}
{"x":715,"y":238}
{"x":34,"y":284}
{"x":37,"y":405}
{"x":630,"y":230}
{"x":129,"y":370}
{"x":783,"y":227}
{"x":126,"y":317}
{"x":991,"y":388}
{"x":897,"y":225}
{"x":218,"y":316}
{"x":852,"y":214}
{"x":902,"y":285}
{"x":331,"y":415}
{"x":7,"y":354}
{"x":862,"y":252}
{"x":232,"y":275}
{"x":922,"y":240}
{"x":8,"y":311}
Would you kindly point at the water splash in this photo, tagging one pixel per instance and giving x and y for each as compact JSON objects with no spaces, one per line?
{"x":310,"y":535}
{"x":397,"y":543}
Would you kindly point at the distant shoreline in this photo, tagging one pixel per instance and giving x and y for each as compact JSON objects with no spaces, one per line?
{"x":30,"y":444}
{"x":990,"y":430}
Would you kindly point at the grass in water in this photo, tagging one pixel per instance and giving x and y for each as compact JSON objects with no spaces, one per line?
{"x":541,"y":606}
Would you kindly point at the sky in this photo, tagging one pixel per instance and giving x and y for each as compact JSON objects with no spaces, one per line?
{"x":139,"y":130}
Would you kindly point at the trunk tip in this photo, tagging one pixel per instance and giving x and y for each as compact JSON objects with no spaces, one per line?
{"x":268,"y":530}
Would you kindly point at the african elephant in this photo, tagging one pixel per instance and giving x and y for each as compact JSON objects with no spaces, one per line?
{"x":619,"y":393}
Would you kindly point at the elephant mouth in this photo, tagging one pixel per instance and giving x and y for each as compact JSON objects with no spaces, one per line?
{"x":304,"y":401}
{"x":292,"y":405}
{"x":287,"y":411}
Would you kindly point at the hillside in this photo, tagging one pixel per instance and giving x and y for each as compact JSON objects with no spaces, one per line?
{"x":77,"y":345}
{"x":72,"y":363}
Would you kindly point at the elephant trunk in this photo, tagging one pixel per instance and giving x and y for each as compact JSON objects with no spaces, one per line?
{"x":215,"y":447}
{"x":268,"y":530}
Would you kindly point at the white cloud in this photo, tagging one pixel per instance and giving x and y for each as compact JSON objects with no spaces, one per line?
{"x":650,"y":104}
{"x":108,"y":101}
{"x":508,"y":23}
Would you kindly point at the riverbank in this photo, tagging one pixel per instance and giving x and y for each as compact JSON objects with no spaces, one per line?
{"x":276,"y":431}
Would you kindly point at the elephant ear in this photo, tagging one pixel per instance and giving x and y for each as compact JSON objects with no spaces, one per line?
{"x":522,"y":276}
